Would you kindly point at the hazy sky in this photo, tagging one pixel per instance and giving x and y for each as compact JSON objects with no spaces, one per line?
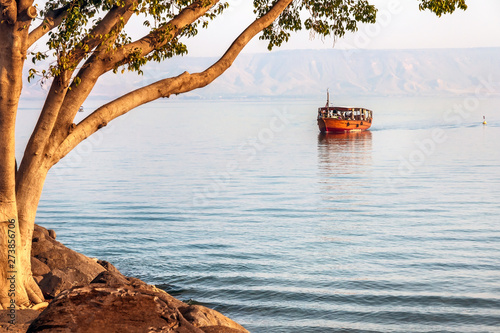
{"x":400,"y":25}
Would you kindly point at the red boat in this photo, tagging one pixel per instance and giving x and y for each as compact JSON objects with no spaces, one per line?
{"x":337,"y":119}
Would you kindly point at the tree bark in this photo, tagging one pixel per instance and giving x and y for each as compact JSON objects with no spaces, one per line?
{"x":51,"y":20}
{"x":17,"y":286}
{"x":8,"y":208}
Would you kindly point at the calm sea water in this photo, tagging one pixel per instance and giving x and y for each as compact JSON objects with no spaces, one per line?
{"x":245,"y":208}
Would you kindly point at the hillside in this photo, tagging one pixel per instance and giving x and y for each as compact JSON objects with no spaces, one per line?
{"x":307,"y":73}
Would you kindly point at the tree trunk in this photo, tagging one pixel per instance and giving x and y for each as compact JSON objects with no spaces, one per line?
{"x":17,"y":286}
{"x":28,"y":193}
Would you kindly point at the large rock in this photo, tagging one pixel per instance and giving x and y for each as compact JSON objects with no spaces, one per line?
{"x":39,"y":268}
{"x":23,"y":319}
{"x":210,"y":320}
{"x":108,"y":266}
{"x":58,"y":280}
{"x":56,"y":255}
{"x":127,"y":308}
{"x":110,"y":278}
{"x":56,"y":267}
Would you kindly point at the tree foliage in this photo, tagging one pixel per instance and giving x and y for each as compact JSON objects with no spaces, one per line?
{"x":79,"y":34}
{"x":440,"y":7}
{"x":76,"y":35}
{"x":325,"y":18}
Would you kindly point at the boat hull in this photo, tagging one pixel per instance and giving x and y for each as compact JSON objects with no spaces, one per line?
{"x":332,"y":125}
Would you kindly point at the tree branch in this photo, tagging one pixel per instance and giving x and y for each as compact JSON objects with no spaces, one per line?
{"x":164,"y":88}
{"x":99,"y":64}
{"x":51,"y":20}
{"x":110,"y":21}
{"x":149,"y":43}
{"x":90,"y":72}
{"x":39,"y":143}
{"x":24,"y":6}
{"x":34,"y":152}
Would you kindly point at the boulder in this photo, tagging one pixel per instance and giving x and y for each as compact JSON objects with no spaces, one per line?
{"x":127,"y":308}
{"x":220,"y":329}
{"x":38,"y":268}
{"x":40,"y":232}
{"x":23,"y":319}
{"x":204,"y":317}
{"x":52,"y":233}
{"x":60,"y":267}
{"x":110,"y":278}
{"x":107,"y":266}
{"x":58,"y":280}
{"x":55,"y":255}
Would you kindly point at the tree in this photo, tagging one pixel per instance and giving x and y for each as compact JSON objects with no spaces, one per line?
{"x":86,"y":39}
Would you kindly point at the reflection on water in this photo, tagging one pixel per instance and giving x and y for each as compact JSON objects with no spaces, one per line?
{"x":344,"y":162}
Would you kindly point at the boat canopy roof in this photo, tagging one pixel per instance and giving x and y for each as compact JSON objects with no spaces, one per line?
{"x":342,"y":109}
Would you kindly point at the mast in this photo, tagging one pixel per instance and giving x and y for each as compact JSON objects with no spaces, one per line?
{"x":327,"y":98}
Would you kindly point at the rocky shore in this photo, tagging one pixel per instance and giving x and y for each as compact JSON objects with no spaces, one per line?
{"x":90,"y":295}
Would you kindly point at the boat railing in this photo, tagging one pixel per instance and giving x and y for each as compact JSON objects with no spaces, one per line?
{"x":352,"y":114}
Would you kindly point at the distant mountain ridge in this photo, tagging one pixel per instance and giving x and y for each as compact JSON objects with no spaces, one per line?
{"x":307,"y":73}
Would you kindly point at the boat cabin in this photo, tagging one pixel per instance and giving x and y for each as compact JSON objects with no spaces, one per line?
{"x":343,"y":113}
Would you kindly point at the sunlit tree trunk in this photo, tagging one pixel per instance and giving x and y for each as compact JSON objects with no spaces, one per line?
{"x":16,"y":281}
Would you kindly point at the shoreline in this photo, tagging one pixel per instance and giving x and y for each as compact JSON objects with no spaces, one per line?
{"x":91,"y":295}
